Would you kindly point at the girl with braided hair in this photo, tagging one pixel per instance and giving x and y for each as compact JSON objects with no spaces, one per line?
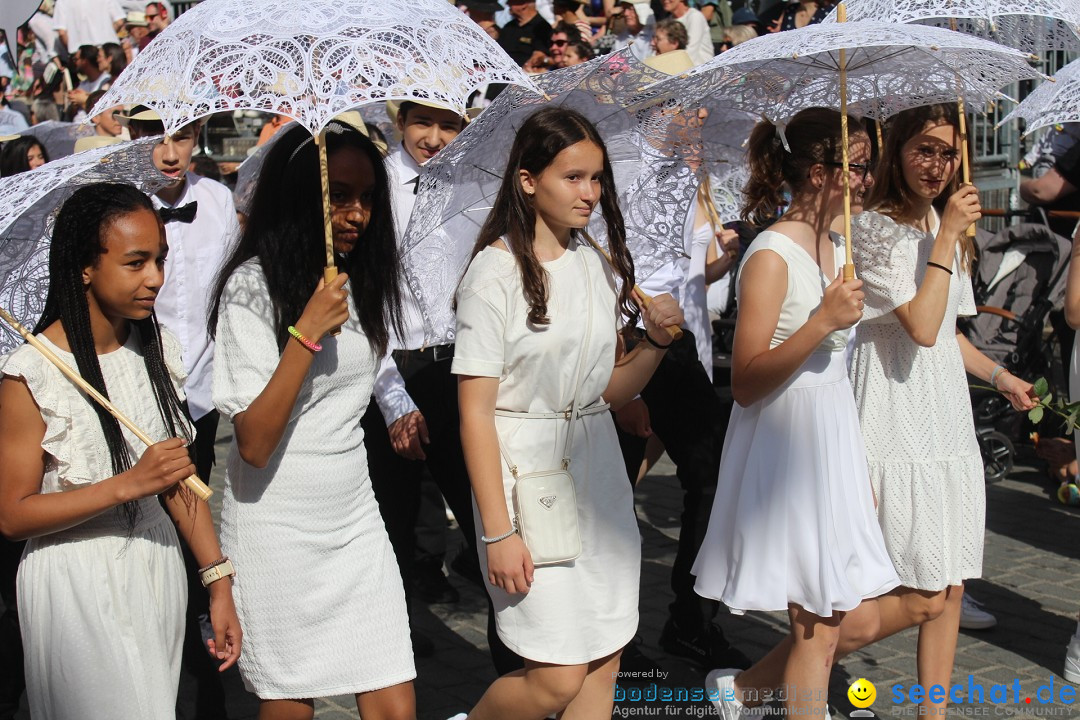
{"x":101,"y":584}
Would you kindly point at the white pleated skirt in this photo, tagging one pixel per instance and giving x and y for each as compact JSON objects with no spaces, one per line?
{"x":793,"y":521}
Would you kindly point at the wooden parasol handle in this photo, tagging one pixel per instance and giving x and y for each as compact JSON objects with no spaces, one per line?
{"x":675,"y":332}
{"x":965,"y":163}
{"x":849,"y":264}
{"x":330,"y":271}
{"x":193,"y":483}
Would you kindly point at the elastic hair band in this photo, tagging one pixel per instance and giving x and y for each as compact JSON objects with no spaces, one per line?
{"x":332,"y":127}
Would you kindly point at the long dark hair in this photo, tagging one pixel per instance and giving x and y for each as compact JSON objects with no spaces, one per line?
{"x":78,"y":243}
{"x":542,"y":136}
{"x":890,"y":194}
{"x":284,"y":230}
{"x":13,"y":157}
{"x":813,"y":136}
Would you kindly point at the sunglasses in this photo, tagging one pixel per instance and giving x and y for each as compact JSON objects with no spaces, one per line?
{"x":864,"y":168}
{"x":559,"y":43}
{"x":151,"y":17}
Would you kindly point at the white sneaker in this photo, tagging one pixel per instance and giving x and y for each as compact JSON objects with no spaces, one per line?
{"x":460,"y":716}
{"x":724,"y":681}
{"x":1072,"y":661}
{"x":973,"y":617}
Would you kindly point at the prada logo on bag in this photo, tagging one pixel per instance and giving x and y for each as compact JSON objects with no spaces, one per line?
{"x":547,"y":501}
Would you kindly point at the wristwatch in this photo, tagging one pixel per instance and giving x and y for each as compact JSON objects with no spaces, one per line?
{"x":216,"y":572}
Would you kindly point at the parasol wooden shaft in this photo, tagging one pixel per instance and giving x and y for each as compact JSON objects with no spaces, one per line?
{"x":965,"y":163}
{"x":330,"y":271}
{"x":849,"y":265}
{"x":193,"y":483}
{"x":674,"y":332}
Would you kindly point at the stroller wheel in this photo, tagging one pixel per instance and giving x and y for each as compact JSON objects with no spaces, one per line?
{"x":997,"y":453}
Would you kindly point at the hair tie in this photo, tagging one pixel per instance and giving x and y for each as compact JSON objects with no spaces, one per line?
{"x":780,"y":128}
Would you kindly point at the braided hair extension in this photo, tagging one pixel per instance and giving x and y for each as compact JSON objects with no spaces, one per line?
{"x":78,"y":243}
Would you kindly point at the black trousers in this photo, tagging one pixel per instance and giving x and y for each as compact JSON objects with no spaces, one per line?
{"x":396,"y":481}
{"x":199,"y":676}
{"x":12,"y":679}
{"x":687,"y":415}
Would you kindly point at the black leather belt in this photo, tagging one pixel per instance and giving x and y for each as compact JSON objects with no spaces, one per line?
{"x":432,"y":353}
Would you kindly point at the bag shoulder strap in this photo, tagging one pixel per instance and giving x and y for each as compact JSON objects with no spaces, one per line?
{"x":579,"y":378}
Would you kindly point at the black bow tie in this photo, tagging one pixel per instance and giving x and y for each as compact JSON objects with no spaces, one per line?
{"x":184,"y":213}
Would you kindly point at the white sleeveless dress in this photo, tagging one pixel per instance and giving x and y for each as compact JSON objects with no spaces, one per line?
{"x":793,"y":519}
{"x":586,"y":609}
{"x":101,"y":605}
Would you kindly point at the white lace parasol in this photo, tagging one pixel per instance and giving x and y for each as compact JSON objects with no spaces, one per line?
{"x":310,"y":59}
{"x":28,"y":204}
{"x":1052,"y":102}
{"x":59,"y":137}
{"x":724,"y":136}
{"x":890,"y":68}
{"x":647,"y":150}
{"x":1028,"y":25}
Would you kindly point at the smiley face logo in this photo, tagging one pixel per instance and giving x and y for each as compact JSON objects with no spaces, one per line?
{"x":862,"y":693}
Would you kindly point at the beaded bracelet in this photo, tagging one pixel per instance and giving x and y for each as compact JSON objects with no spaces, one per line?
{"x":492,"y":540}
{"x":312,"y":346}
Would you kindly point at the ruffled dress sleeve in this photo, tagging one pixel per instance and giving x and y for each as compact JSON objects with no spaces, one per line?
{"x":53,"y":394}
{"x":246,"y":354}
{"x":886,"y":256}
{"x":480,"y":346}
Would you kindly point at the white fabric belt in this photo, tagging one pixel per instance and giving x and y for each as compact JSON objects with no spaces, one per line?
{"x":564,"y":415}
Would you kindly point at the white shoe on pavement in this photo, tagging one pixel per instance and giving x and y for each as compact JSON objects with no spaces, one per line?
{"x":724,"y":681}
{"x":1072,"y":660}
{"x":973,"y":617}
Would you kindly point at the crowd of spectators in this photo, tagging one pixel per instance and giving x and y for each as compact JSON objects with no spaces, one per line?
{"x":543,"y":35}
{"x":68,"y":51}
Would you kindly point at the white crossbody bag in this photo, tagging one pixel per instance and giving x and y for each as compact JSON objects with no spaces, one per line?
{"x":545,"y":503}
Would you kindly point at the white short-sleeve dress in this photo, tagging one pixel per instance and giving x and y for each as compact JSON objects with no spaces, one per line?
{"x":586,"y":609}
{"x":915,"y":412}
{"x":101,"y":605}
{"x":317,"y":588}
{"x":793,"y":517}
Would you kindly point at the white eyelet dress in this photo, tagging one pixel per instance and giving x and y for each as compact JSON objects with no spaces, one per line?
{"x":915,"y":411}
{"x":585,"y":609}
{"x":793,"y":518}
{"x":317,"y":588}
{"x":101,"y":606}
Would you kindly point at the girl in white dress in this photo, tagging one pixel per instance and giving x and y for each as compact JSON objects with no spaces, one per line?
{"x":792,"y":525}
{"x":908,"y":369}
{"x":521,"y":327}
{"x":320,"y":596}
{"x":101,"y":586}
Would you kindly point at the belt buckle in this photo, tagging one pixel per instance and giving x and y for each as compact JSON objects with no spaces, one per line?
{"x":442,"y":352}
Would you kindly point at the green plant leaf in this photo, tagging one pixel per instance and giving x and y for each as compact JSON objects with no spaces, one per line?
{"x":1046,"y":400}
{"x":1035,"y":415}
{"x":1041,"y":387}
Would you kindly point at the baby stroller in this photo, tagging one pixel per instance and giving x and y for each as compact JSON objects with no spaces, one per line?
{"x":1018,"y":280}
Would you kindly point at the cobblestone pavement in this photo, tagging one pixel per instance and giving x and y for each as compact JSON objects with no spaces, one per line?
{"x":1031,"y":583}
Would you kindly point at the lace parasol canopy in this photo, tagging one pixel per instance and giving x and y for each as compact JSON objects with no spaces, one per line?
{"x":1052,"y":102}
{"x":648,"y":150}
{"x":310,"y":59}
{"x":28,"y":205}
{"x":1031,"y":25}
{"x":890,"y":68}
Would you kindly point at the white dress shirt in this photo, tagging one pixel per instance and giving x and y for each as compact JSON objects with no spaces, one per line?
{"x":394,"y":401}
{"x":197,"y":251}
{"x":700,"y":43}
{"x":87,"y":22}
